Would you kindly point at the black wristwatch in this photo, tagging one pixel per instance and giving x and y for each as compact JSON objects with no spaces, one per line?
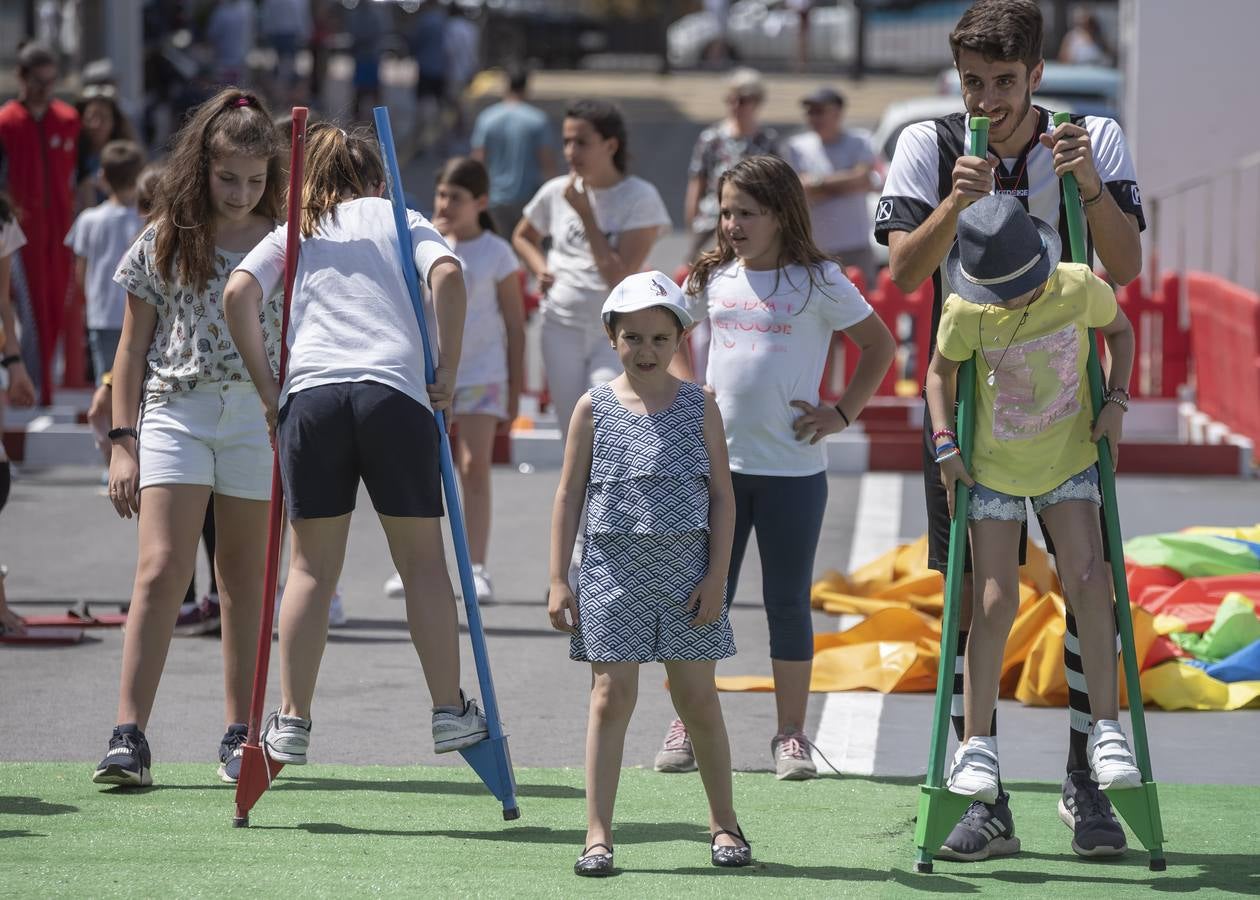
{"x":116,"y":434}
{"x":11,"y":360}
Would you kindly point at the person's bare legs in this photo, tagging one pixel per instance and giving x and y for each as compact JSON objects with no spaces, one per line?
{"x":240,"y":557}
{"x":791,"y":692}
{"x":614,"y":692}
{"x":695,"y":699}
{"x":170,"y":526}
{"x":1086,"y":579}
{"x":995,"y":556}
{"x":416,"y":546}
{"x":316,"y":552}
{"x":476,"y":446}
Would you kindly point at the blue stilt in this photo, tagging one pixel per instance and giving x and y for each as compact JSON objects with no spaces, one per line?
{"x":490,"y":758}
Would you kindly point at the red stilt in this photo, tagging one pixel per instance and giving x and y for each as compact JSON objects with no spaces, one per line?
{"x":257,"y":770}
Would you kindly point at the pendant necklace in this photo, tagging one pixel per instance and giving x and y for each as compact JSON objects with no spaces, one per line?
{"x":991,"y":380}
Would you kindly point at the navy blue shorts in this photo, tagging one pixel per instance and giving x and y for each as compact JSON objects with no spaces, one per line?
{"x":332,"y":435}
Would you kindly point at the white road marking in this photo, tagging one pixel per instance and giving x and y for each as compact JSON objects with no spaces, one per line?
{"x":849,"y":728}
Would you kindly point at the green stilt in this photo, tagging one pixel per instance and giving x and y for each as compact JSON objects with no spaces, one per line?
{"x":939,"y":810}
{"x":1138,"y":807}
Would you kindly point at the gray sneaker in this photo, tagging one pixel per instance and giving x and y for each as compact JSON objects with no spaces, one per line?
{"x":1085,"y":809}
{"x":455,"y":731}
{"x":287,"y":738}
{"x":676,"y":754}
{"x":792,"y":761}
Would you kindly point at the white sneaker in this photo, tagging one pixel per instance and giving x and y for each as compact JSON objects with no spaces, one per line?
{"x":1111,"y":762}
{"x":287,"y":738}
{"x":336,"y":613}
{"x":452,"y":731}
{"x":975,"y":772}
{"x":482,"y":585}
{"x":394,"y":586}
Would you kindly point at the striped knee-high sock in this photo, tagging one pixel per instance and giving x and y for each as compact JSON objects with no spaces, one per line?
{"x":1079,"y":714}
{"x":956,"y":714}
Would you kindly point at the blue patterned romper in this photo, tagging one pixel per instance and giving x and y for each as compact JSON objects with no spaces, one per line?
{"x":647,"y":535}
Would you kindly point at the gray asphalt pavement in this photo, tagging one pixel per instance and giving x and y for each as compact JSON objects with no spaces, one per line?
{"x":63,"y":544}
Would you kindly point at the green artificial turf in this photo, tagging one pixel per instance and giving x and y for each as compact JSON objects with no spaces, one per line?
{"x":435,"y":832}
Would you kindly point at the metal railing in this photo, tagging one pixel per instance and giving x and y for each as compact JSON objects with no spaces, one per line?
{"x":1211,"y":223}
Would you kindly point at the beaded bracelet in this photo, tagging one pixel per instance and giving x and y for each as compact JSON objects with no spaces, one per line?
{"x":1114,"y":397}
{"x":944,"y":432}
{"x":944,"y":456}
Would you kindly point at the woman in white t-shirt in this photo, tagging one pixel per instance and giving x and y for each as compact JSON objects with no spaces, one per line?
{"x":354,"y":405}
{"x":602,"y":223}
{"x":774,"y":300}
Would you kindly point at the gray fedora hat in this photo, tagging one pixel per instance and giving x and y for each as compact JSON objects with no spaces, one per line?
{"x":1001,"y":252}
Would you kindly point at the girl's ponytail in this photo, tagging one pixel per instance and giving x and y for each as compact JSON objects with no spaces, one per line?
{"x":337,"y":163}
{"x":486,"y":222}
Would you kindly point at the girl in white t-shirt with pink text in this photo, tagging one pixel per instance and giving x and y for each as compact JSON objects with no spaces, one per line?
{"x":774,"y":300}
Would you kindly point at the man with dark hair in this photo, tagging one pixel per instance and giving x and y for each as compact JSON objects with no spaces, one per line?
{"x":511,"y":138}
{"x":38,"y":140}
{"x":997,"y":51}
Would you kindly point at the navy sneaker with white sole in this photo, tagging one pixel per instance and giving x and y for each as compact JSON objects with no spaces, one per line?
{"x":231,"y":749}
{"x":984,"y":831}
{"x":1085,"y":809}
{"x":128,"y":760}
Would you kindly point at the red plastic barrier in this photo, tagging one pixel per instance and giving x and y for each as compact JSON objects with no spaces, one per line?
{"x":1163,"y":347}
{"x":891,"y":304}
{"x":1225,"y":345}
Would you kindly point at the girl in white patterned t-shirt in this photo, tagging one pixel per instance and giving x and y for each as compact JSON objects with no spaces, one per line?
{"x":179,"y":379}
{"x":774,"y":300}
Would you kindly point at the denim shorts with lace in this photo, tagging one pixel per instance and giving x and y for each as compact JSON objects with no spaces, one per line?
{"x":987,"y":503}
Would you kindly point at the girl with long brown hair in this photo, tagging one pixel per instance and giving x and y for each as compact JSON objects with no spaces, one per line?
{"x":178,"y":375}
{"x":774,"y":300}
{"x":355,"y":406}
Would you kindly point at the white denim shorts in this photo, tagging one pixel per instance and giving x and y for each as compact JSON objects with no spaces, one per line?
{"x":987,"y":503}
{"x":214,"y":435}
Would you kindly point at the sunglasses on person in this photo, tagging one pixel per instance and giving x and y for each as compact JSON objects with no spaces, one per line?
{"x":745,"y":99}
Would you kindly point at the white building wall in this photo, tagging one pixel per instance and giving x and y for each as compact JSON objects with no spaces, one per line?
{"x":1191,"y":110}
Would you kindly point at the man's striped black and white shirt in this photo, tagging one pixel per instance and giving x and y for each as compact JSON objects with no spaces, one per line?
{"x":921,"y":176}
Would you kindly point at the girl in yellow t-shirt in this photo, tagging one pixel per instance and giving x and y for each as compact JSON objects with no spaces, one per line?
{"x":1025,"y":318}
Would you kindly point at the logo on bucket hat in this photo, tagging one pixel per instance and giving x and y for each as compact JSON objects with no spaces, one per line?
{"x":647,"y":289}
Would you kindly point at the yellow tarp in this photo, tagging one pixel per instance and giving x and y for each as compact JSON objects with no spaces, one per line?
{"x":897,"y":645}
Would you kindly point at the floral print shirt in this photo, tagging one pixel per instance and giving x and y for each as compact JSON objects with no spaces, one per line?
{"x":717,"y":150}
{"x":191,"y":343}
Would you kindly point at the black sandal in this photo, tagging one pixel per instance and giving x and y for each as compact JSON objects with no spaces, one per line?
{"x":731,"y":857}
{"x":595,"y":865}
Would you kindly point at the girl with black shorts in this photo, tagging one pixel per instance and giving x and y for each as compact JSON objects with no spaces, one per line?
{"x":354,"y":406}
